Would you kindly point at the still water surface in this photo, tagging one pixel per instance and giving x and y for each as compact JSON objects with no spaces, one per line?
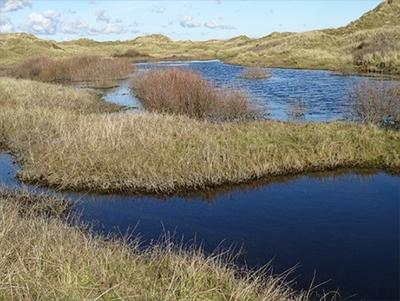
{"x":323,"y":94}
{"x":343,"y":226}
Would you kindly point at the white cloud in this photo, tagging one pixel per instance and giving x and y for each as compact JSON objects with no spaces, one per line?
{"x":13,"y":5}
{"x":109,"y":28}
{"x":6,"y":26}
{"x":102,"y":16}
{"x":75,"y":27}
{"x":51,"y":22}
{"x":215,"y":25}
{"x":189,"y":22}
{"x":46,"y":23}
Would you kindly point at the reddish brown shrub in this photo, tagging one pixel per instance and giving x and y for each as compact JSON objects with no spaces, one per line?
{"x":131,"y":53}
{"x":80,"y":68}
{"x":185,"y":92}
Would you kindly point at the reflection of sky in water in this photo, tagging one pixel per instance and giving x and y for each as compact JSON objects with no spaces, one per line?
{"x":345,"y":226}
{"x":323,"y":94}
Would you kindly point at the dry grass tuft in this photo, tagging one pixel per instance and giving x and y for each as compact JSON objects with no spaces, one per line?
{"x":97,"y":70}
{"x":186,"y":92}
{"x":167,"y":153}
{"x":28,"y":95}
{"x":41,"y":258}
{"x":131,"y":53}
{"x":377,"y":103}
{"x":255,"y":73}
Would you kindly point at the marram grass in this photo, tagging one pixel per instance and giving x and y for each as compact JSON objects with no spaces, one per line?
{"x":42,"y":258}
{"x":70,"y":149}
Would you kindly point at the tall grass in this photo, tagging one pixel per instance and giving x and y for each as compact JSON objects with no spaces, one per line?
{"x":377,"y":103}
{"x":185,"y":92}
{"x":160,"y":153}
{"x":41,"y":258}
{"x":100,"y":71}
{"x":255,"y":73}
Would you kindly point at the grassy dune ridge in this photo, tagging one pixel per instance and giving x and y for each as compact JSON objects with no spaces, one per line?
{"x":54,"y":261}
{"x":369,"y":44}
{"x":167,"y":153}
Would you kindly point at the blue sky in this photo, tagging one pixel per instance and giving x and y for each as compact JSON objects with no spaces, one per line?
{"x":180,"y":20}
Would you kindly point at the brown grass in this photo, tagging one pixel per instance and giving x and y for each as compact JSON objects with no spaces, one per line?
{"x":377,"y":103}
{"x":185,"y":92}
{"x":131,"y":53}
{"x":98,"y":70}
{"x":255,"y":73}
{"x":161,"y":153}
{"x":41,"y":258}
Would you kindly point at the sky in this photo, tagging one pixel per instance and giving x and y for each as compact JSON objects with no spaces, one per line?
{"x":180,"y":20}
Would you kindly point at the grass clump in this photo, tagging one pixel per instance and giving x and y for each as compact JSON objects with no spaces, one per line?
{"x":131,"y":53}
{"x":377,"y":103}
{"x":186,"y":92}
{"x":255,"y":73}
{"x":158,"y":153}
{"x":29,"y":95}
{"x":99,"y":71}
{"x":41,"y":258}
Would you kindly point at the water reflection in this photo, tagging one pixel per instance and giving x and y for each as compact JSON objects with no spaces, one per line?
{"x":343,"y":225}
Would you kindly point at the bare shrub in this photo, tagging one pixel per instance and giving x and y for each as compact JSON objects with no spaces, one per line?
{"x":131,"y":53}
{"x":81,"y":68}
{"x":296,"y":111}
{"x":185,"y":92}
{"x":377,"y":103}
{"x":255,"y":73}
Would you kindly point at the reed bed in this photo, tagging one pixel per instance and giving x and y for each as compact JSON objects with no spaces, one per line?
{"x":159,"y":153}
{"x":42,"y":258}
{"x":186,"y":92}
{"x":99,"y":71}
{"x":255,"y":73}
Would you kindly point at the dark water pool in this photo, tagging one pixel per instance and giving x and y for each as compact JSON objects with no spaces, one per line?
{"x":322,"y":94}
{"x":343,"y":226}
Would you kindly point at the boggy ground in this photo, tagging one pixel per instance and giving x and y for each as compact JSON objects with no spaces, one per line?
{"x":44,"y":258}
{"x":69,"y":139}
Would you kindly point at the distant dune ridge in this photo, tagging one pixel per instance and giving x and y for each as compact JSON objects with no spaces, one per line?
{"x":369,"y":44}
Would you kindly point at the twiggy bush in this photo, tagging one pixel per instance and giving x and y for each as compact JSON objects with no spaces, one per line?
{"x":296,"y":110}
{"x":185,"y":92}
{"x":131,"y":53}
{"x":98,"y":70}
{"x":377,"y":103}
{"x":255,"y":73}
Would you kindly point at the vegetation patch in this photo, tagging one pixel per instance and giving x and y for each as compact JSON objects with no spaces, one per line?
{"x":131,"y":53}
{"x":161,"y":153}
{"x":96,"y":70}
{"x":255,"y":73}
{"x":43,"y":258}
{"x":369,"y":44}
{"x":377,"y":103}
{"x":186,"y":92}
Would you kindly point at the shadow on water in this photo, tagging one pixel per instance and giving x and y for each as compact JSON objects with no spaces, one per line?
{"x":343,"y":225}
